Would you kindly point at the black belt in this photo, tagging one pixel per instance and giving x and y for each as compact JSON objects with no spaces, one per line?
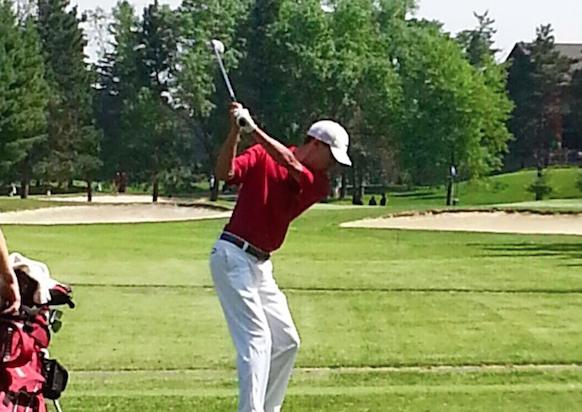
{"x":246,"y":246}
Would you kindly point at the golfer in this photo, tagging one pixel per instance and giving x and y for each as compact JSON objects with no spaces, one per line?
{"x":277,"y":185}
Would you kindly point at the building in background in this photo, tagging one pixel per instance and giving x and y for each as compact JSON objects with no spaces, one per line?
{"x":566,"y":133}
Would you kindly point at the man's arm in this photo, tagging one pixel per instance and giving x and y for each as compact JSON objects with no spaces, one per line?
{"x":224,"y":163}
{"x":9,"y":291}
{"x":278,"y":151}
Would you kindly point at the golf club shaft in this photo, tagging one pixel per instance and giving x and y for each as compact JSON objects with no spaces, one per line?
{"x":225,"y":76}
{"x":241,"y":122}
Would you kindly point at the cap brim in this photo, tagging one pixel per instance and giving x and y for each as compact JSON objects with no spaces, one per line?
{"x":341,"y":156}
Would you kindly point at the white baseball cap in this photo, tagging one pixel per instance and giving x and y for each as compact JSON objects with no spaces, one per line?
{"x":334,"y":135}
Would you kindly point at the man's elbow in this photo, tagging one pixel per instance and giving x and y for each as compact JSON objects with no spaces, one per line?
{"x":294,"y":164}
{"x":290,"y":162}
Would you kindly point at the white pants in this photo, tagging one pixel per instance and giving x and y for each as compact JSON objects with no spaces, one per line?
{"x":260,"y":325}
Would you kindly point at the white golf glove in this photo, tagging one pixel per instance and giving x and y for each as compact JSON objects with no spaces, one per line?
{"x":244,"y":120}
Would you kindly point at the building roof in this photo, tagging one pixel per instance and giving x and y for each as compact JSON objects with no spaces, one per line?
{"x":571,"y":50}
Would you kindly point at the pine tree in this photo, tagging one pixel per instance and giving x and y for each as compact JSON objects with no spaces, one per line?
{"x":72,"y":149}
{"x":537,"y":81}
{"x":120,"y":76}
{"x":150,"y":122}
{"x":22,"y":95}
{"x":255,"y":80}
{"x":575,"y":115}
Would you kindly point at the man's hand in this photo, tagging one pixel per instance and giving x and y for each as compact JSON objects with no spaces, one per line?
{"x":232,"y":111}
{"x":223,"y":169}
{"x":10,"y":296}
{"x":244,"y":120}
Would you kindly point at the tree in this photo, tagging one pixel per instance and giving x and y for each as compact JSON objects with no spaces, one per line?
{"x":254,"y":79}
{"x":537,"y":80}
{"x":22,"y":95}
{"x":300,"y":42}
{"x":120,"y":77}
{"x":153,"y":145}
{"x":446,"y":115}
{"x":155,"y":139}
{"x":200,"y":96}
{"x":34,"y":103}
{"x":364,"y":89}
{"x":574,"y":117}
{"x":540,"y":186}
{"x":497,"y":106}
{"x":70,"y":134}
{"x":478,"y":42}
{"x":329,"y":63}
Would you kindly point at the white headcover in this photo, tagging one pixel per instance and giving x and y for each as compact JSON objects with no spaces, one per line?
{"x":37,"y":271}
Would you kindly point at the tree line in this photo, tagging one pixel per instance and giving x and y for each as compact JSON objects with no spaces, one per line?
{"x":415,"y":99}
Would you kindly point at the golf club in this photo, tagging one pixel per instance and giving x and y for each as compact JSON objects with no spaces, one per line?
{"x":218,"y":48}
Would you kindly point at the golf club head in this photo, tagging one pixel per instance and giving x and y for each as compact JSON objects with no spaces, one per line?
{"x":217,"y":46}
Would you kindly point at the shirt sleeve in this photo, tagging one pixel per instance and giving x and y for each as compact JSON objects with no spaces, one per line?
{"x":245,"y":162}
{"x":311,"y":189}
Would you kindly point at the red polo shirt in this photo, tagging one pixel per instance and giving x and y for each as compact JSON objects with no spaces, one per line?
{"x":270,"y":198}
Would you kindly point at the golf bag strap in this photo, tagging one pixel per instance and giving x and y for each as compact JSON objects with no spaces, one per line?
{"x":26,"y":350}
{"x":21,"y":398}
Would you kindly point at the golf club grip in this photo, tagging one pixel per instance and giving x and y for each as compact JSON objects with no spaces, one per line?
{"x":241,"y":123}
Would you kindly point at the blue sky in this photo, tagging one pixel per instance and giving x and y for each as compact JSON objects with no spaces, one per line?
{"x":516,"y":19}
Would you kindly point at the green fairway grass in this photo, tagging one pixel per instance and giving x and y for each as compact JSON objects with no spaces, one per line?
{"x":390,"y":306}
{"x":11,"y":204}
{"x":148,"y":333}
{"x":554,"y":204}
{"x":131,"y":331}
{"x":334,"y":391}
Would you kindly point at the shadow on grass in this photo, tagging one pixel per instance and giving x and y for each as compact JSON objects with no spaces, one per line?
{"x":572,"y":252}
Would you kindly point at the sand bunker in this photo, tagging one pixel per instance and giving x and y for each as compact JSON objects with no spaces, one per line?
{"x":134,"y":213}
{"x":494,"y":222}
{"x":109,"y":199}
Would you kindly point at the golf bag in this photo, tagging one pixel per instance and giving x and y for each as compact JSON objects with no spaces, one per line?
{"x":27,"y":375}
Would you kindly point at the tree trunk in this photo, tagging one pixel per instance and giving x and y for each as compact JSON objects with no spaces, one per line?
{"x":358,"y":189}
{"x":450,"y":192}
{"x":89,"y":190}
{"x":214,"y":190}
{"x":156,"y":188}
{"x":344,"y":186}
{"x":24,"y":182}
{"x":539,"y":195}
{"x":354,"y":185}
